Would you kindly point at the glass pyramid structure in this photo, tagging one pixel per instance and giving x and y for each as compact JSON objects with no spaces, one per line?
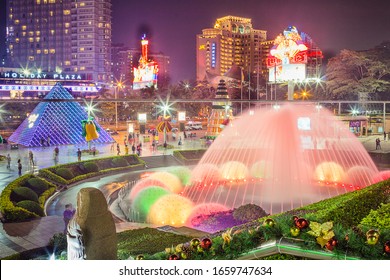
{"x":59,"y":120}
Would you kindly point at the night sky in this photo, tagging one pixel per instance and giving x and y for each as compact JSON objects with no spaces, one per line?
{"x":172,"y":25}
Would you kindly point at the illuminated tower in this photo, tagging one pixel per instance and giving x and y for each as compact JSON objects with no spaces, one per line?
{"x":145,"y":75}
{"x":221,"y":112}
{"x":232,"y":41}
{"x":144,"y":48}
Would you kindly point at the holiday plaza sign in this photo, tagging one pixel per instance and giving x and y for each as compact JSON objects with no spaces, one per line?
{"x":52,"y":76}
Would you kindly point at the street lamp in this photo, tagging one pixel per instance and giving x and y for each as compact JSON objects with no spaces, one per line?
{"x":120,"y":85}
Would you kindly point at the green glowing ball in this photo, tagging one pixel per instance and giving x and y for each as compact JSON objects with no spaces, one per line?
{"x":183,"y":173}
{"x":145,"y":199}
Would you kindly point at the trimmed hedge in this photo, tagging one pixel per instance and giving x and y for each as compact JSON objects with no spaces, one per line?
{"x":119,"y":162}
{"x":91,"y":167}
{"x":189,"y":157}
{"x":65,"y":173}
{"x":37,"y":185}
{"x":379,"y":219}
{"x":23,"y":193}
{"x":350,"y":208}
{"x":105,"y":166}
{"x":31,"y":206}
{"x":14,"y":213}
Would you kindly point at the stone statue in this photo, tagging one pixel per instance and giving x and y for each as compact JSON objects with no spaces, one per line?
{"x":92,"y":227}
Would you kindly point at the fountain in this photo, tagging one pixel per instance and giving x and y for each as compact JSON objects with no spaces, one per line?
{"x":279,"y":158}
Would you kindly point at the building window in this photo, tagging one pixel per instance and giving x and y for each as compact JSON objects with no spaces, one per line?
{"x":52,"y":51}
{"x":39,"y":51}
{"x":66,"y":12}
{"x":31,"y":58}
{"x":24,"y":27}
{"x":52,"y":31}
{"x":45,"y":51}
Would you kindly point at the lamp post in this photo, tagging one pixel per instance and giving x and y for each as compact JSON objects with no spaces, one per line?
{"x":119,"y":84}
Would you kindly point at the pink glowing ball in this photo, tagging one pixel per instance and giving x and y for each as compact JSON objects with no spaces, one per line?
{"x":381,"y":176}
{"x":205,"y":173}
{"x":361,"y":176}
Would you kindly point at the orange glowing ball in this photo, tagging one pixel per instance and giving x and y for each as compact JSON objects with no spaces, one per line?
{"x":171,"y":209}
{"x":329,"y":171}
{"x":234,"y":170}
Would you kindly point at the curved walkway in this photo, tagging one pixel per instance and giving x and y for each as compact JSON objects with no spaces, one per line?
{"x":24,"y":236}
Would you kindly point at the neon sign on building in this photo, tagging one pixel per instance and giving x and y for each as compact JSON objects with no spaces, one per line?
{"x":288,"y":57}
{"x":145,"y":75}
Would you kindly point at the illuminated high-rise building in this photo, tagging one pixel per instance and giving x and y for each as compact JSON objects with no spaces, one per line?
{"x":60,"y":36}
{"x":232,"y":41}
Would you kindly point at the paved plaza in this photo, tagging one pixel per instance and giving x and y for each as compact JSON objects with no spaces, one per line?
{"x":24,"y":236}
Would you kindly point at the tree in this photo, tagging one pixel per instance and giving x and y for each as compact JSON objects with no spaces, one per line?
{"x":356,"y":75}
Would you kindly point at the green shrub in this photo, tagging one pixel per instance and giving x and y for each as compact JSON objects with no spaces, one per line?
{"x":37,"y":185}
{"x":44,"y":196}
{"x":59,"y":242}
{"x":350,"y":208}
{"x":248,"y":212}
{"x":119,"y":162}
{"x":65,"y":173}
{"x":379,"y":219}
{"x":23,"y":193}
{"x":31,"y":206}
{"x":91,"y":167}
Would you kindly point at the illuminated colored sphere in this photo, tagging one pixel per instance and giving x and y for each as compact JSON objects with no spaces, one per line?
{"x":171,"y":209}
{"x":205,"y":173}
{"x":234,"y":170}
{"x":145,"y":183}
{"x":262,"y":170}
{"x":329,"y":171}
{"x":145,"y":199}
{"x":360,"y":176}
{"x":205,"y":209}
{"x":171,"y":181}
{"x":183,"y":173}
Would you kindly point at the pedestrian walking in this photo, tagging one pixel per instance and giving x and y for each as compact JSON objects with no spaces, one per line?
{"x":57,"y":150}
{"x":48,"y":140}
{"x":78,"y":154}
{"x":378,"y":144}
{"x":55,"y":157}
{"x":31,"y":157}
{"x":112,"y":147}
{"x":118,"y":149}
{"x":384,"y":135}
{"x":19,"y":167}
{"x":68,"y":215}
{"x":126,"y":149}
{"x":133,"y":148}
{"x":8,"y":161}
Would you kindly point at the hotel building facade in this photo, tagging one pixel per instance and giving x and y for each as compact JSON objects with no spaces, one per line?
{"x":232,"y":41}
{"x":62,"y":36}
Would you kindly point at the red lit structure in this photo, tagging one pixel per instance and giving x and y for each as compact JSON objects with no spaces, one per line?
{"x":145,"y":75}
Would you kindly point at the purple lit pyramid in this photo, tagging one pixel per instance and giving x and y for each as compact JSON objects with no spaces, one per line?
{"x":59,"y":120}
